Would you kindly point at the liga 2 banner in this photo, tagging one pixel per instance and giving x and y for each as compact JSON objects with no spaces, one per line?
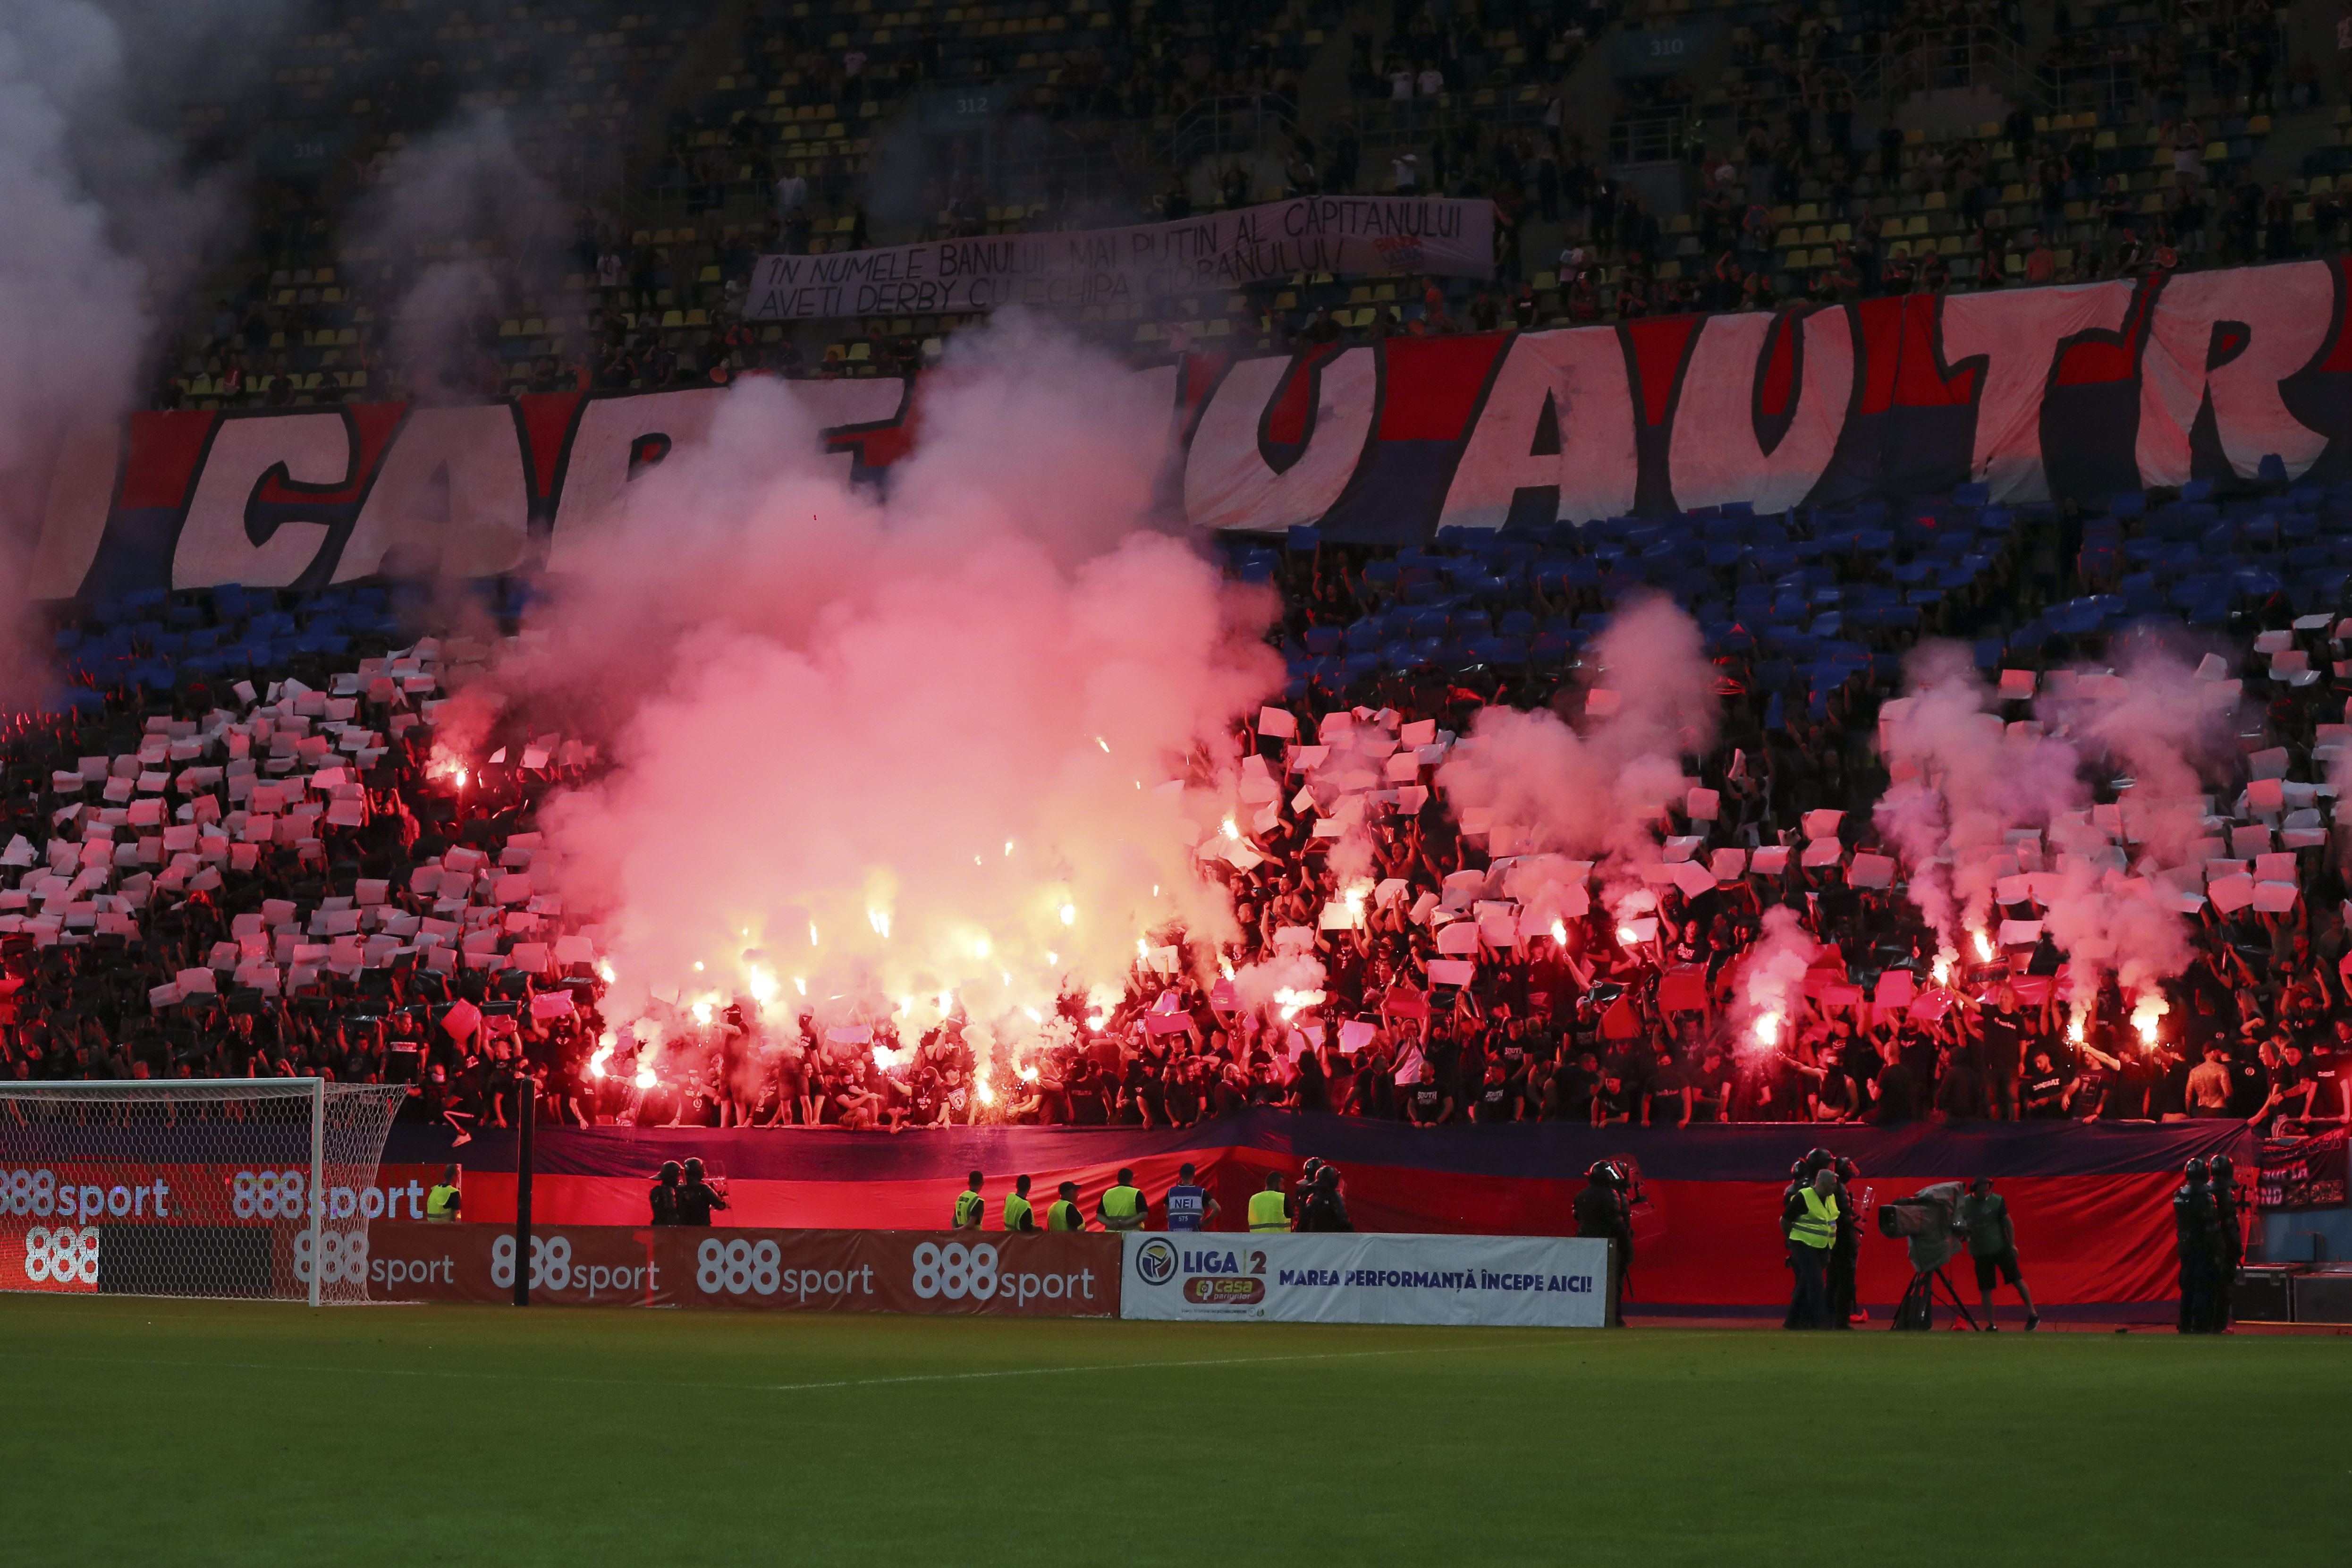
{"x":1041,"y":1275}
{"x":1372,"y":235}
{"x":1482,"y":1281}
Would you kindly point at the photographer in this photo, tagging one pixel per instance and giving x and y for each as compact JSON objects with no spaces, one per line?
{"x":1602,"y":1213}
{"x":1992,"y":1246}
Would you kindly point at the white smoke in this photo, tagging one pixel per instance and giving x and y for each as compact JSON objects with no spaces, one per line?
{"x":446,"y":196}
{"x":1974,"y":802}
{"x":73,"y":322}
{"x":1650,"y":698}
{"x":955,"y":746}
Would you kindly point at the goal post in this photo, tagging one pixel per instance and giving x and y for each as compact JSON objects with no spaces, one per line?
{"x":240,"y":1188}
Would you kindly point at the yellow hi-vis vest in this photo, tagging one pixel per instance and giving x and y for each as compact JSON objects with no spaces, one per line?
{"x":967,"y":1211}
{"x":436,"y":1204}
{"x":1265,"y":1212}
{"x":1016,"y":1209}
{"x":1064,"y":1215}
{"x":1121,"y":1203}
{"x":1818,"y":1226}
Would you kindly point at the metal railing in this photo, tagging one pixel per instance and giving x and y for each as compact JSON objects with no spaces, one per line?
{"x":1238,"y":122}
{"x":1647,"y":138}
{"x":1927,"y":60}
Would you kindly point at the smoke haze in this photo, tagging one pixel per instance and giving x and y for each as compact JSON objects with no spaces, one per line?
{"x":962,"y":740}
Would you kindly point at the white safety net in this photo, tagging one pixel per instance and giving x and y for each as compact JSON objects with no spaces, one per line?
{"x":240,"y":1188}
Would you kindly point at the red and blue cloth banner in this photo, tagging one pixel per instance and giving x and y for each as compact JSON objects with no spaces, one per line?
{"x":2091,"y":1203}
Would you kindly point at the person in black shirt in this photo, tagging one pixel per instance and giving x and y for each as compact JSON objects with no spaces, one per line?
{"x":1615,"y":1101}
{"x":2094,"y":1083}
{"x":2229,"y":1241}
{"x":1667,"y":1103}
{"x":1894,"y":1095}
{"x":2197,"y":1231}
{"x":1709,"y":1087}
{"x":1426,"y":1103}
{"x":1959,"y":1093}
{"x":698,"y":1198}
{"x":1086,"y":1098}
{"x":663,"y":1197}
{"x":1325,"y":1211}
{"x":2133,"y":1094}
{"x":1568,"y":1093}
{"x":1494,"y":1100}
{"x":1601,"y":1212}
{"x":2046,"y":1089}
{"x":2249,"y":1079}
{"x":2003,"y":1041}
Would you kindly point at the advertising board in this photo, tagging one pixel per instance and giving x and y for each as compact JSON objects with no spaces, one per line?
{"x":1032,"y":1276}
{"x":1491,"y":1281}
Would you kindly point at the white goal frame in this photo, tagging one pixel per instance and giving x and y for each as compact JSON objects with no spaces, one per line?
{"x":362,"y":1126}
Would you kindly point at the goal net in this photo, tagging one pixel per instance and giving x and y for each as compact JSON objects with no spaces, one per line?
{"x":232,"y":1187}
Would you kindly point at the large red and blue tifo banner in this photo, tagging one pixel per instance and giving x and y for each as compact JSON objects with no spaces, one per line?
{"x":2091,"y":1203}
{"x":2083,"y":391}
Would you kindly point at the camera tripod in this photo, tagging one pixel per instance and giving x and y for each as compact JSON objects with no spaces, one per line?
{"x":1918,"y":1308}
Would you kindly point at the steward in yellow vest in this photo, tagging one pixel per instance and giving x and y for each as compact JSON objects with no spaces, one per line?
{"x":969,"y":1206}
{"x":1270,"y":1210}
{"x":443,"y":1200}
{"x":1018,"y":1215}
{"x":1809,"y":1220}
{"x":1121,"y":1207}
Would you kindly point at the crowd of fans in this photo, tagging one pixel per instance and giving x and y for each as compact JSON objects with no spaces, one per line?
{"x":236,"y":852}
{"x":2054,"y":198}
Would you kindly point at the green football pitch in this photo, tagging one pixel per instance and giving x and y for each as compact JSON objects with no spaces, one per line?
{"x":140,"y":1432}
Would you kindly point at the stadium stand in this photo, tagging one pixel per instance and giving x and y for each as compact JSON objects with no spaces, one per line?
{"x":156,"y":918}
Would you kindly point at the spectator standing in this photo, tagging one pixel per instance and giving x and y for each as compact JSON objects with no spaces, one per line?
{"x":2208,"y":1084}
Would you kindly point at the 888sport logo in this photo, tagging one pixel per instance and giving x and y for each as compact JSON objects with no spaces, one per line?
{"x":61,"y":1255}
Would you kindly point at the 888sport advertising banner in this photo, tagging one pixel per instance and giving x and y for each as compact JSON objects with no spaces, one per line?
{"x":210,"y":1229}
{"x":1045,"y":1275}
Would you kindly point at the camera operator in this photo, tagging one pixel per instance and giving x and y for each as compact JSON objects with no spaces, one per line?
{"x":1601,"y":1211}
{"x":2197,"y":1228}
{"x":1809,"y":1221}
{"x":1992,"y":1248}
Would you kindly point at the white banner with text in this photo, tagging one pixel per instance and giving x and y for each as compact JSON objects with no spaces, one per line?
{"x":1372,"y":235}
{"x":1487,"y":1281}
